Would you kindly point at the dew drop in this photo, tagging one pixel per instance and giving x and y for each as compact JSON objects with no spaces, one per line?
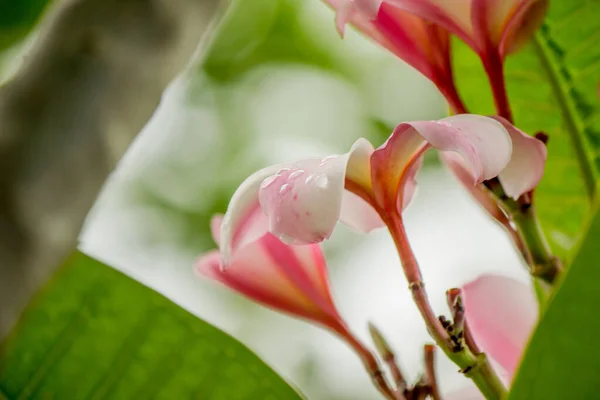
{"x":321,"y":181}
{"x":309,"y":179}
{"x":325,"y":160}
{"x":285,"y":238}
{"x":284,"y":188}
{"x":296,"y":174}
{"x":283,"y":171}
{"x":268,"y":181}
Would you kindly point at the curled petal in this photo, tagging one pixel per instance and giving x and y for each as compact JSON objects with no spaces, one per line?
{"x":483,"y":143}
{"x":242,"y":208}
{"x":359,"y":215}
{"x":456,"y":164}
{"x":347,"y":10}
{"x":501,"y":313}
{"x":292,"y":279}
{"x":510,"y":24}
{"x":526,"y":167}
{"x":304,"y":201}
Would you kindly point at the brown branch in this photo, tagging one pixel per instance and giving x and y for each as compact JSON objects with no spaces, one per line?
{"x":430,"y":376}
{"x":86,"y":88}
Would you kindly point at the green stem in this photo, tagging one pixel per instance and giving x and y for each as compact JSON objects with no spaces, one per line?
{"x":543,"y":263}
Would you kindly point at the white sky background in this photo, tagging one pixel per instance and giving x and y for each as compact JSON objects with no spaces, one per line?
{"x":291,"y":112}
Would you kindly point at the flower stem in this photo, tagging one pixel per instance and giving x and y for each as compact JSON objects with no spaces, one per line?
{"x":457,"y":106}
{"x":543,"y":264}
{"x":476,"y":367}
{"x":494,"y":67}
{"x":370,"y":363}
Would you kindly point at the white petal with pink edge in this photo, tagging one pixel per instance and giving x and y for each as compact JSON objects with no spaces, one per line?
{"x":483,"y":143}
{"x":526,"y":167}
{"x":241,"y":207}
{"x":501,"y":313}
{"x":304,"y":200}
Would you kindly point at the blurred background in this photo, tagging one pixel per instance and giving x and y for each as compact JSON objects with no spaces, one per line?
{"x":279,"y":84}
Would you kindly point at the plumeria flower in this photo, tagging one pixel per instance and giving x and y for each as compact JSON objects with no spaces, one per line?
{"x":367,"y":188}
{"x":417,"y":31}
{"x":499,"y":26}
{"x":423,"y":45}
{"x":501,"y":314}
{"x":289,"y":279}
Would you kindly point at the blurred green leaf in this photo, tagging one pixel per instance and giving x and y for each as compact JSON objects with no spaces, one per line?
{"x":17,"y":18}
{"x":553,"y":87}
{"x":265,"y":31}
{"x":95,"y":333}
{"x":562,"y":360}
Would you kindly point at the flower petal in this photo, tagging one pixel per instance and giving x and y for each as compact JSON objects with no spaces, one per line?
{"x":456,"y":164}
{"x":454,"y":16}
{"x":303,"y":202}
{"x":526,"y":167}
{"x":501,"y":313}
{"x":289,"y":279}
{"x":509,"y":23}
{"x":359,"y":215}
{"x":241,"y":209}
{"x":483,"y":143}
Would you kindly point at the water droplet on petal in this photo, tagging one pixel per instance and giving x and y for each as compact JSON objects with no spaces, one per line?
{"x":284,"y":188}
{"x":325,"y":160}
{"x":283,"y":171}
{"x":285,"y":238}
{"x":309,"y":179}
{"x":297,"y":173}
{"x":322,"y":181}
{"x":268,"y":181}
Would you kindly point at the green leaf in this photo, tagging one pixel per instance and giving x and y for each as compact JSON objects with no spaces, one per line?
{"x":562,"y":360}
{"x":259,"y":32}
{"x":553,"y":87}
{"x":17,"y":18}
{"x":94,"y":333}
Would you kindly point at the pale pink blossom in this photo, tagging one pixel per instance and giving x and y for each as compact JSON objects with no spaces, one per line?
{"x":499,"y":26}
{"x":305,"y":199}
{"x":501,"y":314}
{"x":423,"y":45}
{"x":291,"y":279}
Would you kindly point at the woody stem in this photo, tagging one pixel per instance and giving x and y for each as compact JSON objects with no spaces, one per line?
{"x":476,"y":367}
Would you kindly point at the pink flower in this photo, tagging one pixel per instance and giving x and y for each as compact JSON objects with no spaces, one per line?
{"x":517,"y":178}
{"x":421,"y":44}
{"x":365,"y":187}
{"x":499,"y":26}
{"x":291,"y":279}
{"x":418,"y":32}
{"x":501,"y":314}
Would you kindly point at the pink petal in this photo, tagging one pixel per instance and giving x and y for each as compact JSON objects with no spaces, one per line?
{"x":526,"y":167}
{"x":285,"y":278}
{"x":215,"y":228}
{"x":508,"y":24}
{"x":456,"y":164}
{"x":483,"y":143}
{"x":241,"y":210}
{"x":359,"y":215}
{"x":454,"y":16}
{"x":303,"y":202}
{"x":501,"y":313}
